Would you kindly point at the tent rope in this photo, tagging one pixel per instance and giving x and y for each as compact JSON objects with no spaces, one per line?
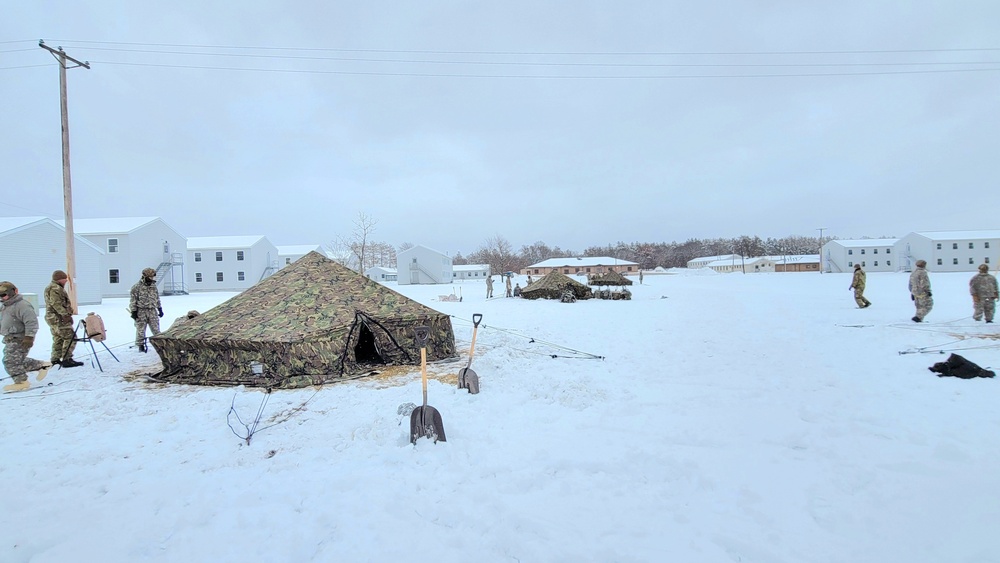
{"x":250,"y":430}
{"x":580,"y":355}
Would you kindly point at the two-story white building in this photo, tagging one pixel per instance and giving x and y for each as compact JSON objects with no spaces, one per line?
{"x":874,"y":255}
{"x":948,"y":251}
{"x":34,"y":247}
{"x":229,"y":263}
{"x":132,"y":244}
{"x":421,"y":265}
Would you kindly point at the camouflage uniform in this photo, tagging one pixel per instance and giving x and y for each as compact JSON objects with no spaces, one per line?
{"x":144,"y":304}
{"x":920,"y":292}
{"x":858,"y":285}
{"x":983,"y":288}
{"x":489,"y":287}
{"x":508,"y":286}
{"x":18,"y":320}
{"x":59,"y":317}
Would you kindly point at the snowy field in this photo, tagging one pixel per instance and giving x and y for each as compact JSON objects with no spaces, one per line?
{"x":713,"y":418}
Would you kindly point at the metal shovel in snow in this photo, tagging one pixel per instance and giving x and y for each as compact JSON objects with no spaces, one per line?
{"x":468,"y":379}
{"x":425,"y":421}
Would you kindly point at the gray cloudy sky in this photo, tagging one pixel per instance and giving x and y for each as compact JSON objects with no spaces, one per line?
{"x":575,"y":123}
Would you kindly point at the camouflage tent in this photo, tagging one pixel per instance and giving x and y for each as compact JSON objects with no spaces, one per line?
{"x":552,"y":286}
{"x":610,"y":277}
{"x":314,"y":321}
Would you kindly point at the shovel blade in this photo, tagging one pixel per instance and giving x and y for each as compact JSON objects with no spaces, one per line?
{"x":468,"y":379}
{"x":425,"y":422}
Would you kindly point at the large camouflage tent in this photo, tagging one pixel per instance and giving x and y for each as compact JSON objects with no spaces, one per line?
{"x":552,"y":286}
{"x":610,"y":277}
{"x":314,"y":321}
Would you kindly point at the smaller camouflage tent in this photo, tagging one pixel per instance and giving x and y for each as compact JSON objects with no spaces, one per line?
{"x":552,"y":286}
{"x":610,"y":277}
{"x":312,"y":322}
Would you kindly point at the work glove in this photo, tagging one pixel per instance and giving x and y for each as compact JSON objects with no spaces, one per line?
{"x":913,"y":297}
{"x":135,"y":315}
{"x":28,"y":342}
{"x":160,"y":311}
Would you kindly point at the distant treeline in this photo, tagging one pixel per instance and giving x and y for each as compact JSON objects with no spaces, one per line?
{"x":500,"y":255}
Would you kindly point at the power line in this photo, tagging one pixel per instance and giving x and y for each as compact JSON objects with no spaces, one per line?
{"x":540,"y":64}
{"x":550,"y":77}
{"x":538,"y":53}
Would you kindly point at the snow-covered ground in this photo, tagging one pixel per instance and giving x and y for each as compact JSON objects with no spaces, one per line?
{"x":752,"y":418}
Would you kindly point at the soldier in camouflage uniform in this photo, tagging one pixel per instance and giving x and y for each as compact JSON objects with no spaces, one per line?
{"x":858,"y":285}
{"x":920,"y":291}
{"x":489,"y":287}
{"x":983,"y":288}
{"x":59,"y":317}
{"x":18,"y":324}
{"x":144,"y":305}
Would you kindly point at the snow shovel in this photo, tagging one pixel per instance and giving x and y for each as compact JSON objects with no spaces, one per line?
{"x":425,"y":421}
{"x":468,"y":379}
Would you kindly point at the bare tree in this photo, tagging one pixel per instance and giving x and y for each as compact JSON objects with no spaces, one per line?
{"x":498,"y":253}
{"x":352,"y":250}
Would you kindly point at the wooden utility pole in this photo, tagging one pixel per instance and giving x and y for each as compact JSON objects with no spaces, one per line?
{"x":821,"y":229}
{"x":62,"y":57}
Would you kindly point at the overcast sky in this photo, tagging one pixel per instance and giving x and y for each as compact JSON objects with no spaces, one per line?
{"x":573,"y":123}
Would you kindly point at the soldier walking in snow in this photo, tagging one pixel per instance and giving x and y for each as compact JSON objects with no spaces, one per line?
{"x":59,"y":317}
{"x":858,"y":285}
{"x":983,"y":288}
{"x":144,"y":306}
{"x":509,"y":294}
{"x":18,"y":324}
{"x":489,"y":287}
{"x":920,"y":291}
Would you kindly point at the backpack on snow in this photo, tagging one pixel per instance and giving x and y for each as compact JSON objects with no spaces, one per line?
{"x":94,"y":325}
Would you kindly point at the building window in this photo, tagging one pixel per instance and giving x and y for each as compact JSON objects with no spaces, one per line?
{"x":197,"y":256}
{"x":875,"y":263}
{"x":113,"y":276}
{"x":863,"y":265}
{"x":987,"y":261}
{"x":970,"y":261}
{"x":862,"y":251}
{"x":240,"y":276}
{"x":888,"y":250}
{"x":939,"y":262}
{"x":288,"y":261}
{"x":218,"y":256}
{"x":112,"y":246}
{"x":239,"y":255}
{"x":939,"y":246}
{"x":850,"y":264}
{"x":218,"y":276}
{"x":954,"y":261}
{"x":972,"y":245}
{"x":850,"y":251}
{"x":197,"y":277}
{"x":875,"y":251}
{"x":888,"y":263}
{"x":954,"y":246}
{"x":986,"y":244}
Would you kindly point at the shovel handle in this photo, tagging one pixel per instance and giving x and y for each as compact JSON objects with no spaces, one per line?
{"x":421,"y":333}
{"x":476,"y":318}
